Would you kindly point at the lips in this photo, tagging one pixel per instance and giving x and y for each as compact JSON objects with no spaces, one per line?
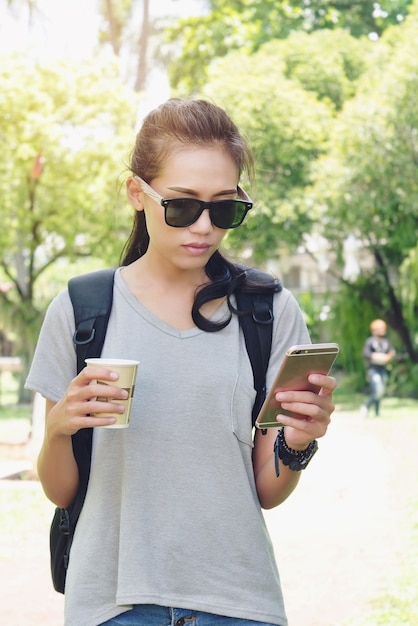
{"x":197,"y":248}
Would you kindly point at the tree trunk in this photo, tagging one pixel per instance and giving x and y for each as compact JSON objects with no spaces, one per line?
{"x":394,"y":314}
{"x":141,"y":75}
{"x":114,"y":29}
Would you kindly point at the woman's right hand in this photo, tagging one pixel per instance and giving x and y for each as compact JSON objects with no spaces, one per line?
{"x":80,"y":408}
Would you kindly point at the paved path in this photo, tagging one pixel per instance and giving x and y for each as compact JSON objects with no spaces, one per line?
{"x":27,"y":595}
{"x":342,"y":531}
{"x":336,"y":539}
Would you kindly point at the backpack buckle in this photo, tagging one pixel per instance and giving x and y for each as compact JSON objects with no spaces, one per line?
{"x":80,"y":338}
{"x":262,"y":313}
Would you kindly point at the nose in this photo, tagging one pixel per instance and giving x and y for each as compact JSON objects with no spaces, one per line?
{"x":203,"y":224}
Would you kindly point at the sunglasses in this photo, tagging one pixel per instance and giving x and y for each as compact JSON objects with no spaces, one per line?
{"x":182,"y":212}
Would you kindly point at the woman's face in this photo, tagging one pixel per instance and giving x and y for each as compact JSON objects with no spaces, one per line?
{"x":206,"y":174}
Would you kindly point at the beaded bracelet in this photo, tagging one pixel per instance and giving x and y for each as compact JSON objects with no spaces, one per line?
{"x":295,"y":460}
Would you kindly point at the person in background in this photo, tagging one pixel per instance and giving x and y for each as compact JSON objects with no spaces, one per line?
{"x":378,"y":352}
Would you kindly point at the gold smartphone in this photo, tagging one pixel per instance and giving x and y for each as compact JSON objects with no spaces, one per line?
{"x":298,"y":363}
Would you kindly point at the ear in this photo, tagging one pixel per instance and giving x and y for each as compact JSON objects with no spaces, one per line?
{"x":134,"y":192}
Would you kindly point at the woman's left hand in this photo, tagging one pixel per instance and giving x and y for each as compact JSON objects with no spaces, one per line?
{"x":311,"y":411}
{"x":311,"y":414}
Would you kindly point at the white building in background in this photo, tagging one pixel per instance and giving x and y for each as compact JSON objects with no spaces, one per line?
{"x":311,"y":269}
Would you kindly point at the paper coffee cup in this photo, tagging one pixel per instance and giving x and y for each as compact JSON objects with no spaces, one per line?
{"x":127,"y":371}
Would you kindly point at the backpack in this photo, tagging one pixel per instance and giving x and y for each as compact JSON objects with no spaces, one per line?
{"x":91,"y":296}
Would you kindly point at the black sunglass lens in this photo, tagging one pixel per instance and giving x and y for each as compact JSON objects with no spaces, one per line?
{"x":181,"y":212}
{"x":228,"y":213}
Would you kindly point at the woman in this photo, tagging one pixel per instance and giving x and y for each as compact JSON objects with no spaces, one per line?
{"x":172,"y":528}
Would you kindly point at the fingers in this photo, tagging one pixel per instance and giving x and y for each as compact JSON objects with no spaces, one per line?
{"x":91,"y":400}
{"x":328,"y":384}
{"x":90,"y":373}
{"x":310,"y":412}
{"x":301,"y":429}
{"x":306,"y":403}
{"x":94,"y":386}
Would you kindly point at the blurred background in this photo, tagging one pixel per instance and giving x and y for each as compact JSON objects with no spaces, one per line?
{"x":324,"y":91}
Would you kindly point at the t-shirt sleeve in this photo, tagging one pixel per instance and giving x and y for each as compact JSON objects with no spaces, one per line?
{"x":368,"y":348}
{"x":289,"y":329}
{"x":54,"y":362}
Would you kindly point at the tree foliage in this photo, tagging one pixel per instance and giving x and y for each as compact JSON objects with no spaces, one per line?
{"x":337,"y":155}
{"x":246,"y":25}
{"x":287,"y":115}
{"x":325,"y":62}
{"x":367,"y":184}
{"x":65,"y":133}
{"x":332,"y":117}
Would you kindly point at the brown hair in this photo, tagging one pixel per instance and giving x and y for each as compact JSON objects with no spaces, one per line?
{"x":174,"y":125}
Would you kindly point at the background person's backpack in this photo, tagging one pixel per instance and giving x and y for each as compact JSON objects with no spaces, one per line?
{"x":91,"y":296}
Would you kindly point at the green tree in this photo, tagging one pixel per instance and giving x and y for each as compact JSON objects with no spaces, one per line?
{"x":287,"y":115}
{"x":246,"y":25}
{"x":334,"y":172}
{"x":325,"y":62}
{"x":65,"y":133}
{"x":367,"y":184}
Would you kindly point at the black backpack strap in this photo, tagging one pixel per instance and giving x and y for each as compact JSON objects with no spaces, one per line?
{"x":91,"y":296}
{"x":257,"y":327}
{"x":256,"y":321}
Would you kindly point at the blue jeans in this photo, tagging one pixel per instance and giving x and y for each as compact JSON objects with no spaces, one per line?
{"x":153,"y":615}
{"x":378,"y":379}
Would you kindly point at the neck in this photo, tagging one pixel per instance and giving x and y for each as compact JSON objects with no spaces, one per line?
{"x":165,"y":275}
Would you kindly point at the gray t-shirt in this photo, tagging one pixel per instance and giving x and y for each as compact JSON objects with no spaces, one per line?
{"x":171,"y":515}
